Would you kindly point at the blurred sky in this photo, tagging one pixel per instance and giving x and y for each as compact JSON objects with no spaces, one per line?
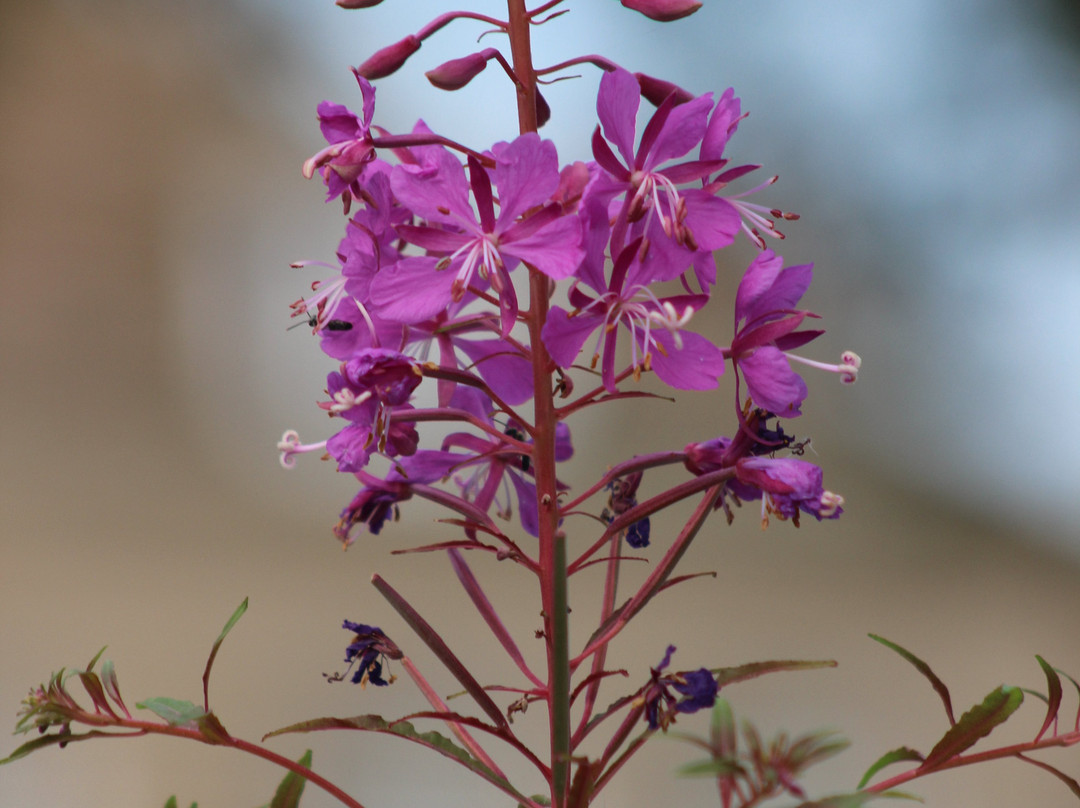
{"x":930,"y":148}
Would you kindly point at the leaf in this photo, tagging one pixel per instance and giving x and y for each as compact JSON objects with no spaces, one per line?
{"x":1077,"y":686}
{"x":176,"y":712}
{"x":924,"y":669}
{"x":236,"y":615}
{"x":840,"y":801}
{"x":975,"y":724}
{"x":722,"y":729}
{"x":1053,"y":689}
{"x":171,"y":803}
{"x":433,"y":641}
{"x":291,"y":788}
{"x":52,"y":740}
{"x":740,"y":673}
{"x":112,"y":686}
{"x":895,"y":756}
{"x":1060,"y":775}
{"x":432,"y":740}
{"x":710,"y":768}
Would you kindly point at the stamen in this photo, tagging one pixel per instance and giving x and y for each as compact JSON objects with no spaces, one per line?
{"x":290,"y":445}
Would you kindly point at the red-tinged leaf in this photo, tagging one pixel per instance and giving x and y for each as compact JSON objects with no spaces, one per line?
{"x":112,"y":686}
{"x":403,"y":729}
{"x":975,"y":724}
{"x":740,"y":673}
{"x":1060,"y":775}
{"x":433,"y":641}
{"x":895,"y":756}
{"x":236,"y":615}
{"x":678,"y":579}
{"x":1054,"y":693}
{"x":487,"y":611}
{"x":291,"y":788}
{"x":924,"y":669}
{"x":212,"y":730}
{"x":1076,"y":727}
{"x":465,"y":544}
{"x":92,"y":683}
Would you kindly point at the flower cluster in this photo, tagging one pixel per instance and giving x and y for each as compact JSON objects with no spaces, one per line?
{"x":439,"y":243}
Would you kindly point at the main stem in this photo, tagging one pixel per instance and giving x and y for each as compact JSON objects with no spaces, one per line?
{"x":552,"y":556}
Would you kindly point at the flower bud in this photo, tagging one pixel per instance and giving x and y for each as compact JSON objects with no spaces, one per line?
{"x":543,"y":111}
{"x":386,"y":61}
{"x":655,"y":90}
{"x":663,"y":10}
{"x":358,"y":3}
{"x":456,"y":73}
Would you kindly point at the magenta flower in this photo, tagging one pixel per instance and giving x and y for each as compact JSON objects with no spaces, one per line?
{"x":469,"y":248}
{"x":676,"y":222}
{"x":787,"y":486}
{"x":350,"y":148}
{"x":680,"y":358}
{"x":766,"y":320}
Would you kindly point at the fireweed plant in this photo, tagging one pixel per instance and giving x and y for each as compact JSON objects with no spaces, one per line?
{"x":447,"y":273}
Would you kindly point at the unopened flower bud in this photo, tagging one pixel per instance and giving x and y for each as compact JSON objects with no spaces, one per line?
{"x":655,"y":90}
{"x":456,"y":73}
{"x":358,"y":3}
{"x":386,"y":61}
{"x":663,"y":10}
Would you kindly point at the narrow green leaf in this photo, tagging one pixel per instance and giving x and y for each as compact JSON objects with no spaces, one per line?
{"x":710,"y":768}
{"x":722,"y":729}
{"x":292,"y":787}
{"x":97,"y":656}
{"x":432,"y":740}
{"x":840,"y":801}
{"x":176,"y":712}
{"x":52,"y":740}
{"x":171,"y":802}
{"x":975,"y":724}
{"x":1054,"y":693}
{"x":236,"y":615}
{"x":1060,"y":775}
{"x":740,"y":673}
{"x":895,"y":756}
{"x":924,"y":669}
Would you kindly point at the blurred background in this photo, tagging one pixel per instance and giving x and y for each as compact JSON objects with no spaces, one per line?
{"x":151,"y":201}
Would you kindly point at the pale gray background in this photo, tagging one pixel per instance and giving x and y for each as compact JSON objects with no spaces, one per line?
{"x":151,"y":201}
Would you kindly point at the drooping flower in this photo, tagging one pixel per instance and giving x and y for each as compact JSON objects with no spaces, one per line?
{"x":697,"y":688}
{"x":350,"y":149}
{"x":623,"y":497}
{"x":787,"y":486}
{"x":366,"y":651}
